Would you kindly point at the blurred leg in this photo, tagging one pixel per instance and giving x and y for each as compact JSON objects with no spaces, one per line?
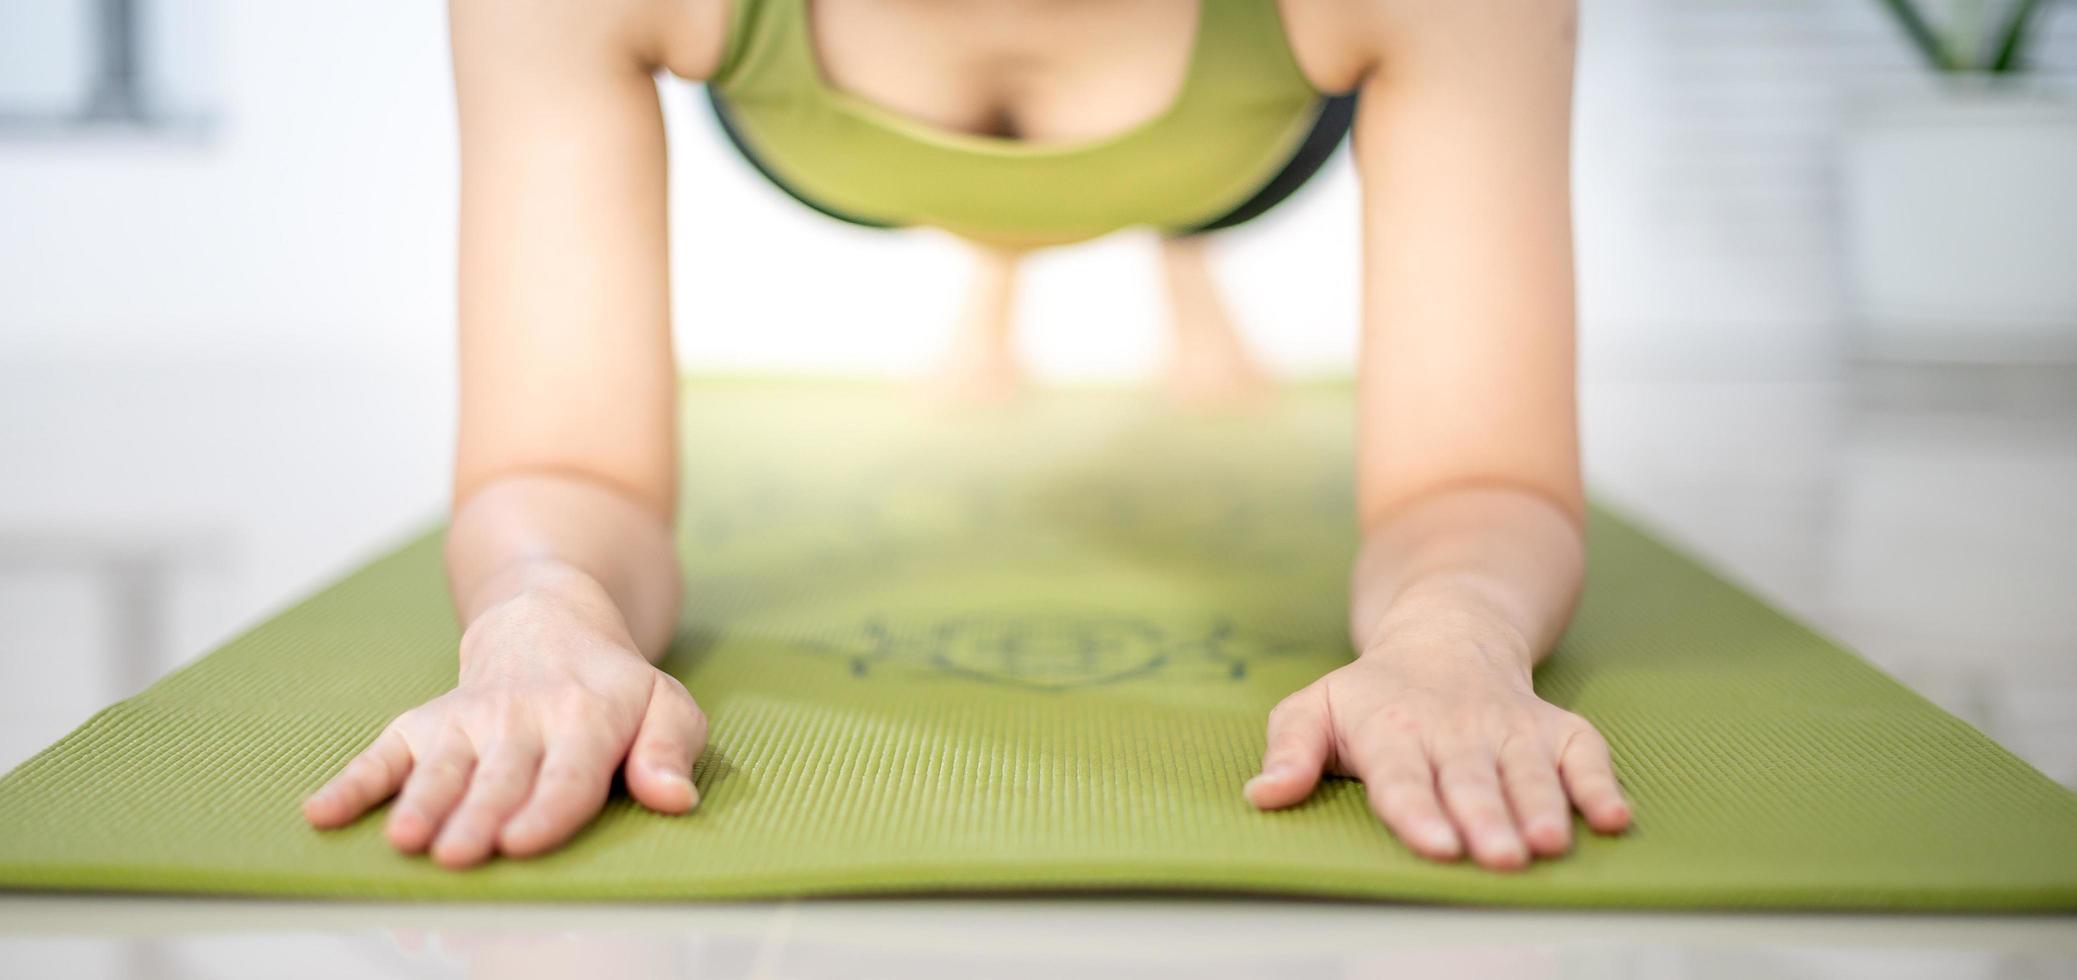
{"x":1208,"y":362}
{"x":981,"y":365}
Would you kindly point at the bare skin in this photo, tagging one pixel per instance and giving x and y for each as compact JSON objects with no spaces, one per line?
{"x":1208,"y":363}
{"x":981,"y":366}
{"x":1469,"y":491}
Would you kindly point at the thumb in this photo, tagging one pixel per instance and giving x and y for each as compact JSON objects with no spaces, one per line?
{"x":1296,"y":752}
{"x":673,"y":731}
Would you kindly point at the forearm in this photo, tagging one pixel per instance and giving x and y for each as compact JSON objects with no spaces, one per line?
{"x":577,"y":538}
{"x":1498,"y":567}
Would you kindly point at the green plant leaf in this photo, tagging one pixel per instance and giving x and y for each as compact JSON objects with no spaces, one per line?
{"x":2010,"y":57}
{"x":1922,"y":35}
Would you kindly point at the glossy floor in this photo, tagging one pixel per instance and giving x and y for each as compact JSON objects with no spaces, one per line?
{"x":1000,"y":938}
{"x":1928,"y":520}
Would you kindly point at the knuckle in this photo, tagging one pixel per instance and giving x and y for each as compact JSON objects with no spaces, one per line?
{"x":464,"y":823}
{"x":1464,"y":786}
{"x":570,"y":708}
{"x":361,"y":779}
{"x":1523,"y":726}
{"x":599,"y":733}
{"x":1484,"y":815}
{"x":1397,"y":805}
{"x":504,"y":770}
{"x":566,"y":777}
{"x":1289,"y":741}
{"x":660,"y":748}
{"x":446,"y":768}
{"x":577,"y":712}
{"x":1498,"y":727}
{"x":1511,"y":741}
{"x":1541,"y":779}
{"x":1461,"y":731}
{"x":1582,"y":732}
{"x":1396,"y":718}
{"x":1286,"y":711}
{"x":506,"y":717}
{"x":1401,"y":791}
{"x":1390,"y":720}
{"x":1408,"y":816}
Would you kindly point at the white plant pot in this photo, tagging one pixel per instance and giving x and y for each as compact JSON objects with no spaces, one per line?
{"x":1960,"y":224}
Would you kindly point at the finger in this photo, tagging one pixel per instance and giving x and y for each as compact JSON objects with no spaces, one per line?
{"x":1470,"y":780}
{"x":1401,"y":787}
{"x":498,"y":788}
{"x":1295,"y":753}
{"x":576,"y":773}
{"x":372,"y":776}
{"x":1589,"y":776}
{"x":435,"y":785}
{"x":659,"y":767}
{"x":1542,"y":814}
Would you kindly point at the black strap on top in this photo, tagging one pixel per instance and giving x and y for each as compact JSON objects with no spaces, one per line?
{"x":728,"y":128}
{"x":1330,"y":127}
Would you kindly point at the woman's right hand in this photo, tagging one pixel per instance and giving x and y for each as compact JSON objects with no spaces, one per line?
{"x":553,"y":698}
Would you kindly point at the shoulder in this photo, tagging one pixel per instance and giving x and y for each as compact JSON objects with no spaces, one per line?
{"x":685,"y":37}
{"x":1340,"y":43}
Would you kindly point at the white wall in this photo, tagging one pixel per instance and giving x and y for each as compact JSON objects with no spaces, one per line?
{"x":315,"y":219}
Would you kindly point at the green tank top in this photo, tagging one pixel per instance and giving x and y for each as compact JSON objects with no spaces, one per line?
{"x":1244,"y":106}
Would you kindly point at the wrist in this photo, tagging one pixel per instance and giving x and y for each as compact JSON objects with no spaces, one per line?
{"x":540,"y":577}
{"x":538,"y":591}
{"x":1437,"y":621}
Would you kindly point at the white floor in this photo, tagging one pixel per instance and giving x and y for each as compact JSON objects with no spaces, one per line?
{"x":1927,"y":519}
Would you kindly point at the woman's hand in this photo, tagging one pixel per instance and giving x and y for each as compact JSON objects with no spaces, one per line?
{"x":553,"y":698}
{"x":1453,"y":747}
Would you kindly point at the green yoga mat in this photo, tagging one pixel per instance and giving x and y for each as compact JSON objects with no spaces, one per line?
{"x":1031,"y":649}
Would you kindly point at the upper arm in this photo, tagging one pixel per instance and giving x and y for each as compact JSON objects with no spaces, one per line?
{"x":565,"y":352}
{"x":1466,"y":371}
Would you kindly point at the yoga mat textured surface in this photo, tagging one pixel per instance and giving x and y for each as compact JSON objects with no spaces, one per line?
{"x":1032,"y":649}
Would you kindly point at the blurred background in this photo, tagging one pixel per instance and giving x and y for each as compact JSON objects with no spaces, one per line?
{"x":1828,"y":265}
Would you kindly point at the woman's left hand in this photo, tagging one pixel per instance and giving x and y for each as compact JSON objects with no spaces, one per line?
{"x":1454,"y":748}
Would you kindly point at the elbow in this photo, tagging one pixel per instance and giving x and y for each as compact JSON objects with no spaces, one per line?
{"x":1476,"y":493}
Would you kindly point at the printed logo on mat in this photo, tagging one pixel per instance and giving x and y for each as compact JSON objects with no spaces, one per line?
{"x":1055,"y":653}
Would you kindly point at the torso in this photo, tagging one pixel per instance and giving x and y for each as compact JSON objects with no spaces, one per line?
{"x":1046,"y":71}
{"x":1058,"y":73}
{"x":1028,"y":121}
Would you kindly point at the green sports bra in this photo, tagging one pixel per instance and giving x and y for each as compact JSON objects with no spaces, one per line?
{"x":1243,"y":108}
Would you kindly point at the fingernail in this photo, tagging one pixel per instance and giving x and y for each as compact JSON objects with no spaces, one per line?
{"x":1267,"y":775}
{"x":671,"y":775}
